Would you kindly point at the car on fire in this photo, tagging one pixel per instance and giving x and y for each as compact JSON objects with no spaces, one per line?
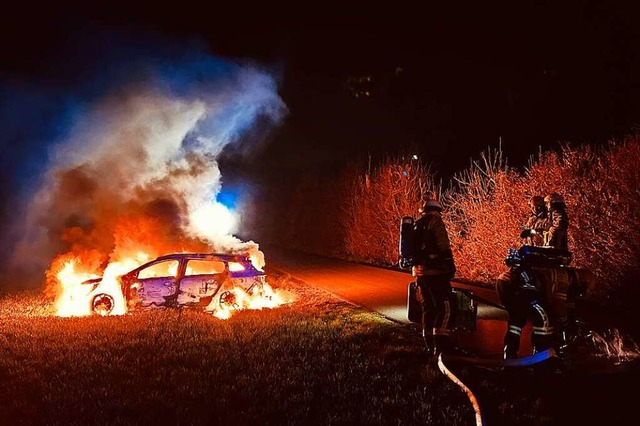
{"x":181,"y":280}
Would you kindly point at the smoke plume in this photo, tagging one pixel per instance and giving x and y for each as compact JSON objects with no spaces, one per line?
{"x":137,"y":171}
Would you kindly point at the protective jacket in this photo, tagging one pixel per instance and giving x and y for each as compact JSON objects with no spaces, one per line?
{"x":556,"y":236}
{"x":432,"y":246}
{"x":540,"y":224}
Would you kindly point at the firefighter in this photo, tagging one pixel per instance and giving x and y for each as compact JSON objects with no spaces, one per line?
{"x":523,"y":295}
{"x":434,"y":268}
{"x":537,"y":224}
{"x":556,"y":236}
{"x":567,"y":323}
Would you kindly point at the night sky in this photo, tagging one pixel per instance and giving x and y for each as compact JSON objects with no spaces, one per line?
{"x":445,"y":82}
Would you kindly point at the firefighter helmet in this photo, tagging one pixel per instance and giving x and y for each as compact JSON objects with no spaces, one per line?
{"x":431,"y":204}
{"x":554,"y":198}
{"x":536,"y":201}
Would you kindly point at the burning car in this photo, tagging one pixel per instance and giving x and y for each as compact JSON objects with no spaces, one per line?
{"x":214,"y":282}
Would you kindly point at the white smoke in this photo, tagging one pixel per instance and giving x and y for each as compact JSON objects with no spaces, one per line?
{"x":145,"y":142}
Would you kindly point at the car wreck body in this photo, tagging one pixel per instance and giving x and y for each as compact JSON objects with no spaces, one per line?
{"x":181,"y":280}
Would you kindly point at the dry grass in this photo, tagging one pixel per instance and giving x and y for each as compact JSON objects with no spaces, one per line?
{"x":316,"y":361}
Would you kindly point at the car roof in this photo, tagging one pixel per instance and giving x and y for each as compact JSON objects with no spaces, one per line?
{"x":249,"y":271}
{"x":205,"y":256}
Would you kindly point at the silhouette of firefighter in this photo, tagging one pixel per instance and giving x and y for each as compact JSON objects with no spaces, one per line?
{"x":540,"y":285}
{"x":537,"y":225}
{"x":433,"y":267}
{"x":556,"y":235}
{"x":523,"y":294}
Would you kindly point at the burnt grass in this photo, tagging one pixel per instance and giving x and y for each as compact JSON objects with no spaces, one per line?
{"x":317,"y":360}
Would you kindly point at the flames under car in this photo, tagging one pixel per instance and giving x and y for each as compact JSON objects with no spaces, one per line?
{"x":177,"y":280}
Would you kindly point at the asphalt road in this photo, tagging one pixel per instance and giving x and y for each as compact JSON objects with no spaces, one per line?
{"x":385,"y":291}
{"x":593,"y":391}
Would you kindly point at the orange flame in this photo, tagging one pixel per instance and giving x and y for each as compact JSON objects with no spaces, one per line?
{"x":239,"y":299}
{"x":76,"y":297}
{"x":135,"y":238}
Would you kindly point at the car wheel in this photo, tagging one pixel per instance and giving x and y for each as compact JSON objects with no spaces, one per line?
{"x":102,"y":304}
{"x":228,"y":299}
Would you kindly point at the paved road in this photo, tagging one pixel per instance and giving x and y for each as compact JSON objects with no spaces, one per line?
{"x":598,"y":390}
{"x":385,"y":291}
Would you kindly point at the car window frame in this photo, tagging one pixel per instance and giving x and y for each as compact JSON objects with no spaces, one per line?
{"x":155,"y":262}
{"x":206,"y":259}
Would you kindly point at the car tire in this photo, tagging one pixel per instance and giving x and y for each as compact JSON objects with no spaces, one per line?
{"x":228,"y":298}
{"x":102,"y":304}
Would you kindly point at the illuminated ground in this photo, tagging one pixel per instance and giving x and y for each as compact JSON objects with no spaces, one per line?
{"x":385,"y":291}
{"x":316,"y":361}
{"x":592,"y":389}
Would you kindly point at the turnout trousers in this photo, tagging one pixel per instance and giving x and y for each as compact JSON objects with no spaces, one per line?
{"x":437,"y":311}
{"x":523,"y":304}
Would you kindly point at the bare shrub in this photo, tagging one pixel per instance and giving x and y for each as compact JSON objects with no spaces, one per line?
{"x":487,"y":206}
{"x":356,"y":216}
{"x":483,"y":213}
{"x":602,"y":192}
{"x":376,"y":199}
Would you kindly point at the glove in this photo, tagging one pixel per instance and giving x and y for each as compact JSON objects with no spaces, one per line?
{"x":405,"y":263}
{"x":526,"y":233}
{"x":417,"y":270}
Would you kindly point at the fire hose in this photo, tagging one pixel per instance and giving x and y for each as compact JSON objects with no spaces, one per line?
{"x":472,"y":398}
{"x":483,"y":362}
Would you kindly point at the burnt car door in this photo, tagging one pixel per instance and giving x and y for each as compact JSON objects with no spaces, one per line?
{"x":157,"y":283}
{"x":202,"y":280}
{"x":245,"y":276}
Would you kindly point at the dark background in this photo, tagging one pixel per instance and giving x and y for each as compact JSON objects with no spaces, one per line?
{"x":443,"y":82}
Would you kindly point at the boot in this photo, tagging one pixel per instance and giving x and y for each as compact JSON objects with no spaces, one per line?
{"x":443,"y":344}
{"x":562,"y":344}
{"x":541,"y":342}
{"x":511,"y":346}
{"x":429,"y":344}
{"x":509,"y":353}
{"x":427,"y":334}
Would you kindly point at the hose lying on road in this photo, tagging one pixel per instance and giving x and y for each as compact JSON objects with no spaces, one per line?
{"x":470,"y":395}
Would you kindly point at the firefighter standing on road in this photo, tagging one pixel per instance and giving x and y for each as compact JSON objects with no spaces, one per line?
{"x":434,"y":268}
{"x":537,"y":224}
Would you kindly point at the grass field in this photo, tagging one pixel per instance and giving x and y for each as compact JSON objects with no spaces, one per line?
{"x":317,"y":360}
